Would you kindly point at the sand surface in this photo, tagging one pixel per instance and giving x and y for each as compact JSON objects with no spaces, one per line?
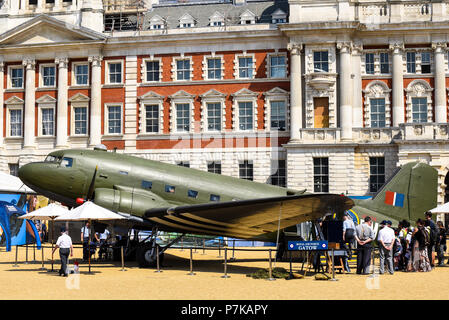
{"x":107,"y":281}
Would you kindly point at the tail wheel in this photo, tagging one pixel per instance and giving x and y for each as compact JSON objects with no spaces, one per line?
{"x":146,"y":256}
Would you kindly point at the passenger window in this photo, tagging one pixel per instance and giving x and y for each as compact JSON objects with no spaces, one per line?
{"x":170,"y":189}
{"x":124,"y":173}
{"x":67,"y":162}
{"x":214,"y":197}
{"x":192,"y":194}
{"x":147,"y":184}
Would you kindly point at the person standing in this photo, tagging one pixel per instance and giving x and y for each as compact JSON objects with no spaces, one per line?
{"x":433,"y":232}
{"x":364,"y":237}
{"x":85,"y":232}
{"x":348,"y":239}
{"x":386,"y":239}
{"x":421,"y":237}
{"x":64,"y":243}
{"x":441,"y":243}
{"x":103,"y":243}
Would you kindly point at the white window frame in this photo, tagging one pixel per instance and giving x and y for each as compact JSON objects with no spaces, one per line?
{"x":46,"y":102}
{"x":212,"y":96}
{"x":151,"y":98}
{"x":419,"y":89}
{"x":74,"y":65}
{"x":144,"y":69}
{"x":276,"y":94}
{"x":14,"y":103}
{"x":181,"y":97}
{"x":186,"y":19}
{"x":175,"y":67}
{"x":107,"y":79}
{"x":277,"y":54}
{"x":10,"y":68}
{"x":243,"y":95}
{"x":41,"y":75}
{"x":206,"y":68}
{"x":247,"y":15}
{"x":377,"y":90}
{"x":157,"y":21}
{"x":72,"y":119}
{"x":106,"y":118}
{"x":216,"y":18}
{"x":237,"y":66}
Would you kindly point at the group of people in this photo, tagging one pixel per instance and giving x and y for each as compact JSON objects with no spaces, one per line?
{"x":99,"y":239}
{"x":404,"y":248}
{"x":64,"y":243}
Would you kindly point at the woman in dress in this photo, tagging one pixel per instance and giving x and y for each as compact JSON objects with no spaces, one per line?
{"x":421,"y":261}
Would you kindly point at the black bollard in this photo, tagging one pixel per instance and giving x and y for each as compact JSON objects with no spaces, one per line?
{"x":42,"y":251}
{"x":16,"y":265}
{"x":123,"y":260}
{"x":333,"y":267}
{"x":233,"y":250}
{"x":270,"y":274}
{"x":157,"y":260}
{"x":219,"y":248}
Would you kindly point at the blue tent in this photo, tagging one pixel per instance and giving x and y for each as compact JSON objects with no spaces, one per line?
{"x":16,"y":231}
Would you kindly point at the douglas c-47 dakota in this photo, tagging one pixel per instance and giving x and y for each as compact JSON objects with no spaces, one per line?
{"x":165,"y":197}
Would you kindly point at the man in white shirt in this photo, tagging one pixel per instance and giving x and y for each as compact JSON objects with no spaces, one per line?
{"x":103,"y":243}
{"x":385,"y":238}
{"x":64,"y":243}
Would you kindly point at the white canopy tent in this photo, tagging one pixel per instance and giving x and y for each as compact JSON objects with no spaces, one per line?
{"x":89,"y":211}
{"x":444,"y":208}
{"x":12,"y":184}
{"x":49,"y":212}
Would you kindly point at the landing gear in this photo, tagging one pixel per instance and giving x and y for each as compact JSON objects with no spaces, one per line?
{"x":146,"y":255}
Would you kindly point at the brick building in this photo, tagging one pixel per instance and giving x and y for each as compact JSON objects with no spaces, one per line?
{"x":328,"y":96}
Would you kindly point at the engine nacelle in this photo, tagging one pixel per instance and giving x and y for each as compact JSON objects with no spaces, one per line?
{"x":132,"y":202}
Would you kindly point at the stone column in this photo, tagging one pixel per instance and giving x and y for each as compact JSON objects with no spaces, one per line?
{"x":61,"y":121}
{"x":40,"y":5}
{"x":357,"y":109}
{"x":58,"y":4}
{"x":440,"y":83}
{"x":345,"y":90}
{"x":398,"y":84}
{"x":23,"y":5}
{"x":2,"y":70}
{"x":95,"y":105}
{"x":295,"y":91}
{"x":30,"y":103}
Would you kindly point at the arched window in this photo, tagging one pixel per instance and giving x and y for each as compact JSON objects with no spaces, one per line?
{"x":419,"y":102}
{"x":377,"y":105}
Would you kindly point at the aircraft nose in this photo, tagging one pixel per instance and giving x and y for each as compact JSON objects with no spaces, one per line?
{"x":29,"y":173}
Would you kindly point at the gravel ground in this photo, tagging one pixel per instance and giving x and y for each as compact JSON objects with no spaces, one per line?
{"x":174,"y":283}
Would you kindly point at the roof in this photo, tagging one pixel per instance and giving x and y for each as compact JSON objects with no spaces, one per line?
{"x":202,"y":12}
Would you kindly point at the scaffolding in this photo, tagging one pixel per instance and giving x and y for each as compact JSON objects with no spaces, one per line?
{"x":124,"y":15}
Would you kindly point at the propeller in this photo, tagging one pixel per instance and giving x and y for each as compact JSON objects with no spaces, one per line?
{"x":91,"y":190}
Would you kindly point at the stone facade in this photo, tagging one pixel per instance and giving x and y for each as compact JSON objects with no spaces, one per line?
{"x":350,"y":81}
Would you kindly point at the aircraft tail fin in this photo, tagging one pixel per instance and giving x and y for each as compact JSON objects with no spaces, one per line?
{"x":410,"y":192}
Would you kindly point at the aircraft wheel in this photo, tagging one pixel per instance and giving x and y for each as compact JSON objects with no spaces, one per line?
{"x":146,"y":256}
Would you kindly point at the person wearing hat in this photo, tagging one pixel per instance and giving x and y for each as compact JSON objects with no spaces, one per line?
{"x":64,"y":243}
{"x":385,"y":239}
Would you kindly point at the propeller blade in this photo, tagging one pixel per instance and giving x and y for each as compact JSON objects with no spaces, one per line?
{"x":91,"y":190}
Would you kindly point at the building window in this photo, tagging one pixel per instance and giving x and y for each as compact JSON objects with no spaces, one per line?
{"x":184,"y":164}
{"x":246,"y":170}
{"x":246,"y":116}
{"x":245,"y":67}
{"x":182,"y":117}
{"x":15,"y":122}
{"x":81,"y":74}
{"x":214,"y":116}
{"x":115,"y":72}
{"x":152,"y":118}
{"x":214,"y":68}
{"x":217,"y":23}
{"x":48,"y":121}
{"x":152,"y":71}
{"x":13,"y":169}
{"x":320,"y":61}
{"x":278,"y":67}
{"x":411,"y":62}
{"x":419,"y":110}
{"x":48,"y":76}
{"x":183,"y":69}
{"x":384,"y":63}
{"x":377,"y":113}
{"x":278,"y":115}
{"x":80,"y":117}
{"x":425,"y":62}
{"x":369,"y":63}
{"x":377,"y":173}
{"x":16,"y":75}
{"x":114,"y":119}
{"x":214,"y":167}
{"x":321,"y":174}
{"x":279,"y":177}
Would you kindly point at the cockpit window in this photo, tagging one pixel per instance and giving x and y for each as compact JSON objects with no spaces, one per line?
{"x":51,"y":159}
{"x":67,"y":162}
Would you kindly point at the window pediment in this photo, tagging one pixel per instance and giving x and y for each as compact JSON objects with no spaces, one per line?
{"x":46,"y":99}
{"x":151,"y":96}
{"x":182,"y":95}
{"x":244,"y":93}
{"x":79,"y":97}
{"x":14,"y":100}
{"x":213,"y":94}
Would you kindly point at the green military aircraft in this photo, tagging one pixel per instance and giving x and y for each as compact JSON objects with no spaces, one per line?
{"x":164,"y":197}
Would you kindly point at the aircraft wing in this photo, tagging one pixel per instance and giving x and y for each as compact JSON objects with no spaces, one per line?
{"x":248,"y":219}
